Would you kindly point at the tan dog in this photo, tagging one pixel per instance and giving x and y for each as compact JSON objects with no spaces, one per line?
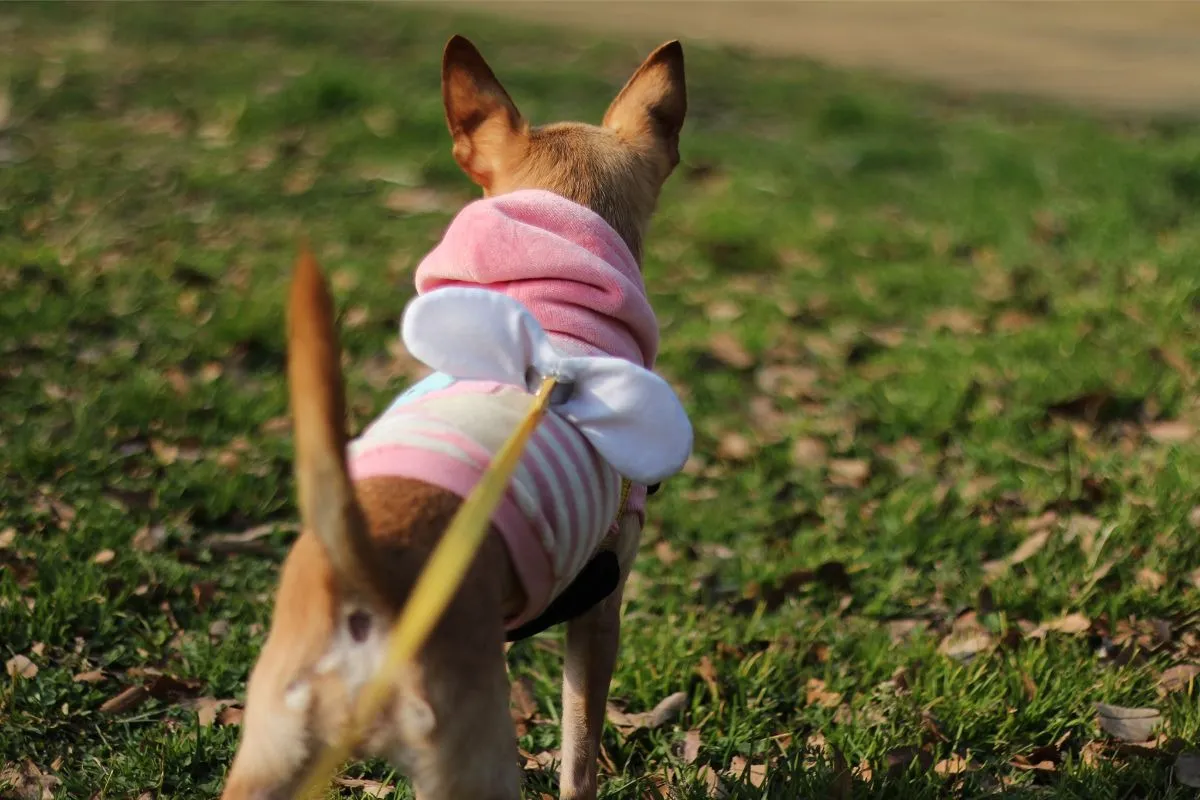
{"x":448,"y":725}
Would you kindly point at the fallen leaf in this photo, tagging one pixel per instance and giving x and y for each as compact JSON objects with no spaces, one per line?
{"x":103,"y":557}
{"x":1193,"y":518}
{"x":741,"y":769}
{"x":723,"y":311}
{"x":368,"y":787}
{"x":849,"y":472}
{"x":92,"y":676}
{"x":418,"y":200}
{"x":149,"y":538}
{"x":691,"y":746}
{"x":1127,"y":724}
{"x":1180,"y":678}
{"x":667,"y":710}
{"x":1187,"y":769}
{"x":955,"y":320}
{"x":28,"y":782}
{"x":1074,"y":623}
{"x":246,"y":541}
{"x":954,"y":765}
{"x":1171,"y":432}
{"x":20,"y":667}
{"x":522,"y":705}
{"x":967,"y":637}
{"x":809,"y":452}
{"x":726,"y":348}
{"x":1025,"y":551}
{"x":230,"y":715}
{"x":1150,"y":580}
{"x":791,"y":381}
{"x":815,"y":693}
{"x":734,"y":447}
{"x":219,"y":629}
{"x":708,"y":674}
{"x":7,"y":537}
{"x":899,"y":760}
{"x":127,"y":700}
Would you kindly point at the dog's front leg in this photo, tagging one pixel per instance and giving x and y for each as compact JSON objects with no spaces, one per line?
{"x":592,"y":642}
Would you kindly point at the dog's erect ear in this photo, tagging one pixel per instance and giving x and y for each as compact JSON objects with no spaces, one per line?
{"x":487,"y":128}
{"x":652,"y":105}
{"x":327,"y":503}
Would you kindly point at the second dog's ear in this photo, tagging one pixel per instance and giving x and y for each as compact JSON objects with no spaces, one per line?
{"x":487,"y":128}
{"x":652,"y":105}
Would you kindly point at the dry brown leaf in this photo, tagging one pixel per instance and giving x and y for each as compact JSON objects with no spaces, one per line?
{"x":809,"y":452}
{"x":726,"y":348}
{"x":1193,"y":518}
{"x":1171,"y":432}
{"x":741,"y":769}
{"x":246,"y":541}
{"x":691,"y":746}
{"x":666,"y":711}
{"x":149,"y":538}
{"x":208,"y":709}
{"x":418,"y":200}
{"x":127,"y":700}
{"x":103,"y":557}
{"x":956,"y":320}
{"x":708,"y":674}
{"x":954,"y":765}
{"x":230,"y":715}
{"x":1127,"y":724}
{"x":20,"y":667}
{"x":967,"y":637}
{"x":783,"y":380}
{"x":815,"y":693}
{"x":723,"y":310}
{"x":1179,"y":678}
{"x":1070,"y":624}
{"x":849,"y":472}
{"x":899,"y":760}
{"x":28,"y":782}
{"x":7,"y":537}
{"x":734,"y":447}
{"x":367,"y":786}
{"x":521,"y":704}
{"x":1187,"y":769}
{"x":1025,"y":551}
{"x":92,"y":676}
{"x":1150,"y":580}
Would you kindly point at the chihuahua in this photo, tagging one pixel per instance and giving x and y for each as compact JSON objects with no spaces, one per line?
{"x":560,"y":227}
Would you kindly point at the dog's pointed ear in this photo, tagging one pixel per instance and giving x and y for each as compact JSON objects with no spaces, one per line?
{"x":487,"y":128}
{"x":651,"y":107}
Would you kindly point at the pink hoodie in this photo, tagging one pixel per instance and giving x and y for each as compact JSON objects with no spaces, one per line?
{"x":579,"y":279}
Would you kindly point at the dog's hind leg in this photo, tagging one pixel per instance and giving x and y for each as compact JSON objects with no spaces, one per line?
{"x":592,"y":642}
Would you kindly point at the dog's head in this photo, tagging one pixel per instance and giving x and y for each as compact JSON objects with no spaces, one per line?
{"x":616,"y":168}
{"x":350,"y":569}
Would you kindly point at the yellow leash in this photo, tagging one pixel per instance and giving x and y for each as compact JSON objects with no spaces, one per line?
{"x":436,"y":585}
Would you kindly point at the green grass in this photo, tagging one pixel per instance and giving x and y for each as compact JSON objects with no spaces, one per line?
{"x":986,"y":308}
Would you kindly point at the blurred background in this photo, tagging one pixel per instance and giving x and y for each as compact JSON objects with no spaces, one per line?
{"x":1120,"y":55}
{"x":928,"y":287}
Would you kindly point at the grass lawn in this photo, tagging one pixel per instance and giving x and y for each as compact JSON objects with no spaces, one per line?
{"x":942,"y":355}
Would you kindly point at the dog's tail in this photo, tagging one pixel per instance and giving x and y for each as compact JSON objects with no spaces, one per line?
{"x":326,"y":496}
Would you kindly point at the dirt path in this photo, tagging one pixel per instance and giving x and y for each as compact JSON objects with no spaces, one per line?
{"x":1139,"y":55}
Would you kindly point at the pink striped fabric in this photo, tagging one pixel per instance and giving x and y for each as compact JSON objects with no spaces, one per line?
{"x":560,"y":504}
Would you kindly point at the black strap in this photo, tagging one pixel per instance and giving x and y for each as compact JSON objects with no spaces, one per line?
{"x":596,"y":581}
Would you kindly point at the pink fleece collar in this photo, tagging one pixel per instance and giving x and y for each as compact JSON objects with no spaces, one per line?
{"x":561,"y":260}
